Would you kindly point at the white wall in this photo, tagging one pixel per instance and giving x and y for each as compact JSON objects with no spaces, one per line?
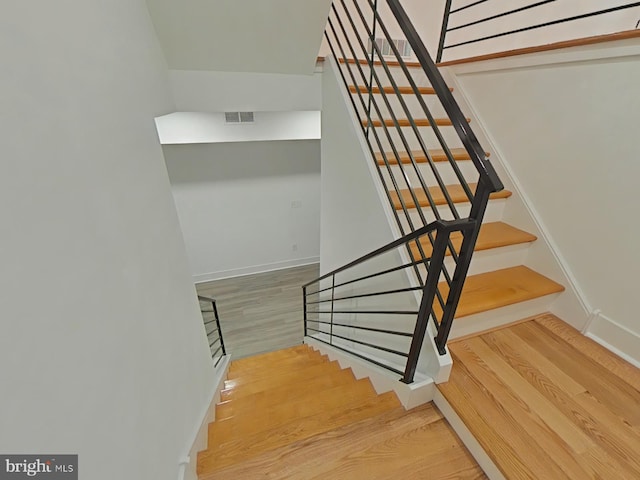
{"x":197,"y":127}
{"x":102,"y":350}
{"x":598,"y":25}
{"x":243,"y":206}
{"x":279,"y":36}
{"x":203,"y":91}
{"x":566,"y":126}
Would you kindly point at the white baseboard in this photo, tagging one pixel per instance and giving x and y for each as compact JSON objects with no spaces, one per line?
{"x":253,"y":269}
{"x":188,"y":463}
{"x":410,"y":396}
{"x":476,"y":450}
{"x":615,"y":337}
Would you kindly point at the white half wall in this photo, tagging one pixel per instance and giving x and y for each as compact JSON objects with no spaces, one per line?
{"x":566,"y":129}
{"x":247,"y":207}
{"x":102,"y":351}
{"x":197,"y":127}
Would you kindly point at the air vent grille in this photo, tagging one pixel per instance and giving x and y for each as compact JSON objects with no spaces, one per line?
{"x":384,"y":46}
{"x":238,"y":117}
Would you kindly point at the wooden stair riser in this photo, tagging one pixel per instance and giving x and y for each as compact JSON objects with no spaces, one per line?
{"x":246,"y":404}
{"x":262,"y":420}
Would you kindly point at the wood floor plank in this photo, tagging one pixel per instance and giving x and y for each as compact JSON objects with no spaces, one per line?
{"x":536,"y":419}
{"x":617,"y":395}
{"x":502,"y":380}
{"x":262,"y":312}
{"x":616,"y":365}
{"x":495,"y":430}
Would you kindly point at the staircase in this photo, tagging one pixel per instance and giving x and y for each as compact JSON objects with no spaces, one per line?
{"x":294,"y":414}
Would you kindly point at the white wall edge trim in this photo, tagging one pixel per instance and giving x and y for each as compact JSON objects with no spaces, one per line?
{"x":547,"y":238}
{"x":615,"y":337}
{"x":411,"y":396}
{"x":443,"y":368}
{"x":198,"y":442}
{"x":474,"y":447}
{"x":251,"y":270}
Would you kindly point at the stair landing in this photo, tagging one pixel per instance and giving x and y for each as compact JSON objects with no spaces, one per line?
{"x":293,"y":414}
{"x":546,"y":402}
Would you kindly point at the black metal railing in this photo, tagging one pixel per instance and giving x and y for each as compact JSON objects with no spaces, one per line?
{"x":362,"y":295}
{"x":211,"y":321}
{"x":488,"y":13}
{"x":417,"y":158}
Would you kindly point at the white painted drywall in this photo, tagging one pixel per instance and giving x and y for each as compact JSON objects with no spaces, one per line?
{"x":597,"y":25}
{"x":568,"y":133}
{"x":102,"y":350}
{"x":198,"y":127}
{"x":278,"y":36}
{"x":243,"y":206}
{"x":202,"y":91}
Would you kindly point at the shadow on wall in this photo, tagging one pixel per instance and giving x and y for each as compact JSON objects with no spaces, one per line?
{"x":222,"y":162}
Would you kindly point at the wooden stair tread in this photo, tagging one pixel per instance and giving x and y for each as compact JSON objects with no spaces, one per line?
{"x":240,"y":387}
{"x":292,"y":363}
{"x":292,"y":431}
{"x":500,"y":288}
{"x":236,"y":406}
{"x":404,"y":122}
{"x":250,"y":362}
{"x":492,"y":235}
{"x":456,"y":193}
{"x":390,"y":90}
{"x":382,"y":440}
{"x":540,"y":407}
{"x":268,"y":415}
{"x":437,"y":155}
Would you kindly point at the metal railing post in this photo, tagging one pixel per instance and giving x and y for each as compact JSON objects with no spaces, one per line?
{"x":443,"y":32}
{"x":304,"y":308}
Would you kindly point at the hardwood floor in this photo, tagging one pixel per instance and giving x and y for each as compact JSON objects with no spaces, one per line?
{"x":293,"y":414}
{"x":546,"y":402}
{"x":263,"y":312}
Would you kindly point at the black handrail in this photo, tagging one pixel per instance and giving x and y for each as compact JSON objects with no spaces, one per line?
{"x":434,"y":265}
{"x":326,"y":305}
{"x":449,"y":11}
{"x":218,"y":342}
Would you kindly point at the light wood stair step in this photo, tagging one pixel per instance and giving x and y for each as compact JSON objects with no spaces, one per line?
{"x":404,"y":122}
{"x":456,"y":193}
{"x":392,"y":444}
{"x":240,"y":387}
{"x":324,"y":420}
{"x":541,"y":408}
{"x":299,"y":406}
{"x":390,"y":90}
{"x":298,"y":362}
{"x":437,"y":155}
{"x":500,"y":288}
{"x":234,"y":406}
{"x":492,"y":235}
{"x":250,"y":362}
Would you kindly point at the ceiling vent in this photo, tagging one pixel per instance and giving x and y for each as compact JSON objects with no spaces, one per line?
{"x":238,"y":117}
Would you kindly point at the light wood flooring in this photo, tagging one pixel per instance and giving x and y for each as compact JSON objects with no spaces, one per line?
{"x":262,"y":312}
{"x":294,"y":414}
{"x":546,"y":402}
